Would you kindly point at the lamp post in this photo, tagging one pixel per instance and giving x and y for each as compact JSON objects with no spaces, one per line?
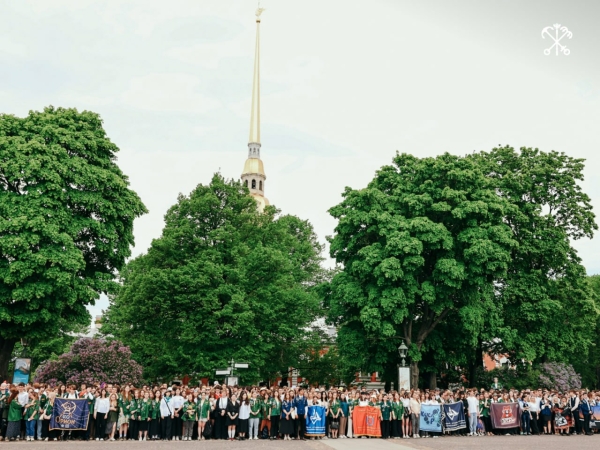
{"x":402,"y":349}
{"x":403,"y":371}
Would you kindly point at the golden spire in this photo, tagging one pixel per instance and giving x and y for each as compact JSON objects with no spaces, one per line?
{"x":253,"y":176}
{"x":255,"y":109}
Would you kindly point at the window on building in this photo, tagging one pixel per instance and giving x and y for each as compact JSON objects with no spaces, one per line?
{"x":260,"y":185}
{"x":253,"y":184}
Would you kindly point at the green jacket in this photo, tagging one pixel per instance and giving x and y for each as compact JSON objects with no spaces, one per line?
{"x":155,"y":409}
{"x":15,"y":411}
{"x":145,"y":408}
{"x":386,"y":410}
{"x":134,"y":408}
{"x":124,"y":405}
{"x":203,"y":409}
{"x":188,"y":412}
{"x":32,"y":411}
{"x":398,"y":409}
{"x":334,"y":407}
{"x":275,"y":406}
{"x":255,"y":406}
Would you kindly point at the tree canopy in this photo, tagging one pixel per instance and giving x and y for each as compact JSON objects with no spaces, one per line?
{"x":66,"y":222}
{"x":222,"y":281}
{"x":457,"y":255}
{"x":426,"y":239}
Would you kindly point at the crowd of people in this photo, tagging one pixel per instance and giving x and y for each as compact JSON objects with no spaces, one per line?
{"x":238,"y":413}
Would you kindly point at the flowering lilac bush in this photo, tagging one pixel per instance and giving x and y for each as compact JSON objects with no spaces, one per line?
{"x":92,"y":361}
{"x":559,"y":376}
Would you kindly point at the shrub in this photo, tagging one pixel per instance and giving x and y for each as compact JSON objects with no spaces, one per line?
{"x":559,"y":376}
{"x":92,"y":361}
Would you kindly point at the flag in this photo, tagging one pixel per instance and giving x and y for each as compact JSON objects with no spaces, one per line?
{"x":431,"y":418}
{"x":70,"y":414}
{"x":365,"y":420}
{"x":315,"y":421}
{"x":454,"y":416}
{"x":505,"y":415}
{"x":595,"y":418}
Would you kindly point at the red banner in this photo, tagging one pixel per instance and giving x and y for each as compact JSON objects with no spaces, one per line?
{"x":365,"y":420}
{"x":505,"y":415}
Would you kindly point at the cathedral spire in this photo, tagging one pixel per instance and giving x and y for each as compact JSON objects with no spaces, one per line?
{"x":255,"y":109}
{"x":253,"y":175}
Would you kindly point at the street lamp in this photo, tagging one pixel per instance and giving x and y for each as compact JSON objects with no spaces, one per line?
{"x":403,"y":371}
{"x":402,"y":349}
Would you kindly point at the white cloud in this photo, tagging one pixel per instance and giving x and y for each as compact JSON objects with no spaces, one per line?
{"x":168,"y":92}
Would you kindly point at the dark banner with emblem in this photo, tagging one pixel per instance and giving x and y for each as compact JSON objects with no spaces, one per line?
{"x":454,"y":416}
{"x":315,"y":421}
{"x":70,"y":414}
{"x":505,"y":415}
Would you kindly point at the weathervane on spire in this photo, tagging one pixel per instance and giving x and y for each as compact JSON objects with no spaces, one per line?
{"x":259,"y":11}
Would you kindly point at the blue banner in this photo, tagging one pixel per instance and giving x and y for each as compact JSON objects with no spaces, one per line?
{"x":70,"y":414}
{"x":315,"y":421}
{"x":454,"y":416}
{"x":431,"y":418}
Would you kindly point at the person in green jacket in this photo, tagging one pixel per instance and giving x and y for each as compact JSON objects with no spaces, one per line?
{"x":275,"y":407}
{"x":15,"y":414}
{"x":386,"y":414}
{"x":189,"y":417}
{"x":46,"y":416}
{"x":31,"y":415}
{"x":335,"y":410}
{"x":144,"y":411}
{"x":397,"y":414}
{"x":203,"y":413}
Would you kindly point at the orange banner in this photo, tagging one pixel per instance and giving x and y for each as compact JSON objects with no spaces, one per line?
{"x":365,"y":421}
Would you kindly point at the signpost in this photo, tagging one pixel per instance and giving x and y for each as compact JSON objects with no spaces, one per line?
{"x":232,"y":379}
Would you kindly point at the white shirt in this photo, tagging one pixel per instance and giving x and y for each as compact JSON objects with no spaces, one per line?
{"x":473,"y":405}
{"x":177,"y":402}
{"x":534,"y":405}
{"x":244,"y":411}
{"x":165,"y":407}
{"x":223,"y":402}
{"x":23,"y":398}
{"x":102,"y":405}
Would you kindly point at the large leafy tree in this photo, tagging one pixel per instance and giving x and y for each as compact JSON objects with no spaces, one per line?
{"x":223,"y":281}
{"x":547,"y":304}
{"x":423,"y":242}
{"x":66,"y":222}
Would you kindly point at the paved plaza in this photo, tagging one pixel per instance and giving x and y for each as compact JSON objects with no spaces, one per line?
{"x":450,"y":443}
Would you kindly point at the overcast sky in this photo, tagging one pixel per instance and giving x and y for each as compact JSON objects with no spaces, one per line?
{"x":345,"y":84}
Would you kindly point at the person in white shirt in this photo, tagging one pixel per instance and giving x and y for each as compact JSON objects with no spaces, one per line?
{"x":473,"y":412}
{"x":177,"y":403}
{"x":244,"y":415}
{"x":534,"y":409}
{"x":166,"y":414}
{"x":101,"y":408}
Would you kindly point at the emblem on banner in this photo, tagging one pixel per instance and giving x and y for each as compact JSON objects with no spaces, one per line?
{"x":452,"y":413}
{"x":315,"y":417}
{"x":370,"y":421}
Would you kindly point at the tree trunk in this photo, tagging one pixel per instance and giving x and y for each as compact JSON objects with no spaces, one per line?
{"x":476,"y":362}
{"x":6,"y":348}
{"x":432,"y":381}
{"x":414,"y":375}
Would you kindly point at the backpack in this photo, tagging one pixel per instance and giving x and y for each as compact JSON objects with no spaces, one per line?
{"x":207,"y":430}
{"x":265,"y":433}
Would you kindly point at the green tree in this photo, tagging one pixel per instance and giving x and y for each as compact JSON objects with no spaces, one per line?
{"x":425,"y":240}
{"x":587,"y":362}
{"x":223,"y":281}
{"x":546,"y":302}
{"x":66,"y":221}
